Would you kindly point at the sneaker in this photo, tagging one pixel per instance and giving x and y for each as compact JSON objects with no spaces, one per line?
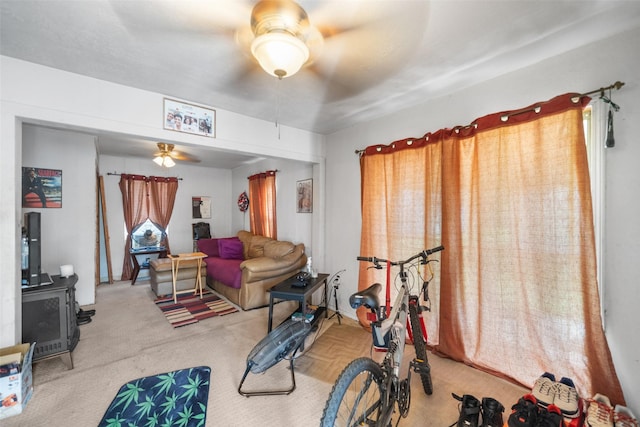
{"x":623,"y":417}
{"x":491,"y":412}
{"x":550,"y":417}
{"x":599,"y":412}
{"x":567,"y":398}
{"x":469,"y":410}
{"x":544,"y":389}
{"x":524,"y":413}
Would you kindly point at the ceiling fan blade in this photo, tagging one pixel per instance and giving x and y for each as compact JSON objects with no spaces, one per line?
{"x":364,"y":43}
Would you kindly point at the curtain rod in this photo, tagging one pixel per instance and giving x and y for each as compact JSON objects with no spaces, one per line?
{"x":617,"y":85}
{"x":120,"y":174}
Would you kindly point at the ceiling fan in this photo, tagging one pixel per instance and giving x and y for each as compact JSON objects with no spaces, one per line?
{"x":167,"y":155}
{"x":343,"y":47}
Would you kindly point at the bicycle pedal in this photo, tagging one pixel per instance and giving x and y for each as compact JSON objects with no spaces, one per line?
{"x":420,"y":367}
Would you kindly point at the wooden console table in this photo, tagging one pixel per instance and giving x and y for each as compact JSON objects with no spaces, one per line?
{"x":175,"y":266}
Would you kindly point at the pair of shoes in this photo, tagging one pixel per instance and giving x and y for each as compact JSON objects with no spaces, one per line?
{"x":599,"y":412}
{"x":471,"y":408}
{"x":528,"y":413}
{"x":623,"y":417}
{"x":561,"y":393}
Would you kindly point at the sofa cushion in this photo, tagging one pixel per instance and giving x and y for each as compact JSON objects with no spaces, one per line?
{"x":225,"y":271}
{"x":278,"y":249}
{"x":230,"y":248}
{"x":208,"y":246}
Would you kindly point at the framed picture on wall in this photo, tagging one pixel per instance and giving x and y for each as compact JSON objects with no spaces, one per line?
{"x":41,"y":188}
{"x":304,"y":196}
{"x":188,"y":118}
{"x":201,"y":207}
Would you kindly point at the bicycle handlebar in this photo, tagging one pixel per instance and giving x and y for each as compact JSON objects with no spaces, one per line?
{"x":423,"y":254}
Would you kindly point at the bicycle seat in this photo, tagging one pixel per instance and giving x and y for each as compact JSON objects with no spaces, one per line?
{"x":368,"y":297}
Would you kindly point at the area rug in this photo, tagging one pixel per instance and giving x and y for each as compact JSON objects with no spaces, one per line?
{"x":177,"y":398}
{"x":191,"y":309}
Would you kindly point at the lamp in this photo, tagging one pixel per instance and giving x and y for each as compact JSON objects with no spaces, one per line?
{"x":164,"y":160}
{"x":280,"y":53}
{"x":281,"y":30}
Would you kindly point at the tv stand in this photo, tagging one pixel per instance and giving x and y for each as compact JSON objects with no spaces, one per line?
{"x":49,"y":319}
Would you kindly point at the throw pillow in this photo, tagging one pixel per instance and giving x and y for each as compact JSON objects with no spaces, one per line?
{"x":230,"y":249}
{"x":209,"y":247}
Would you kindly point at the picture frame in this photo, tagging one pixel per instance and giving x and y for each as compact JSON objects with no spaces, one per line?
{"x":41,"y":188}
{"x":304,"y":196}
{"x":193,"y":119}
{"x":201,"y":207}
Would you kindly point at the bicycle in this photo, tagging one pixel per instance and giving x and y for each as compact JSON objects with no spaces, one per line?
{"x":366,"y":392}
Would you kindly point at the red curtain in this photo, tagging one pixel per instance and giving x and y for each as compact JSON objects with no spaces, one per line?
{"x":134,"y":204}
{"x":145,"y":197}
{"x":509,"y":198}
{"x":262,"y":204}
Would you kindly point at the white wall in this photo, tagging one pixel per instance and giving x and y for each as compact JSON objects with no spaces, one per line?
{"x":582,"y":70}
{"x":31,"y":93}
{"x":68,"y":233}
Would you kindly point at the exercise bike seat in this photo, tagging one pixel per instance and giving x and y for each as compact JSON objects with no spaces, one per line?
{"x":367,"y":297}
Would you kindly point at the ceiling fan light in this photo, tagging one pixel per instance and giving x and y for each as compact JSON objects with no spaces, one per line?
{"x":165,"y":161}
{"x":168,"y":162}
{"x":280,"y":54}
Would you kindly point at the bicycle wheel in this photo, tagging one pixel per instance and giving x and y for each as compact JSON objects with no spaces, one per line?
{"x":355,"y":397}
{"x":420,"y":347}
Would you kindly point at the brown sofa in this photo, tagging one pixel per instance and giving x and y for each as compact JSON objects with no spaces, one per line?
{"x":244,"y":275}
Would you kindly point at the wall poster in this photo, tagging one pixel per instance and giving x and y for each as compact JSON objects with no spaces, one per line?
{"x":41,"y":188}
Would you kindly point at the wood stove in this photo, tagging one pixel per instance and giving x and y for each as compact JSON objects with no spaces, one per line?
{"x":49,"y":319}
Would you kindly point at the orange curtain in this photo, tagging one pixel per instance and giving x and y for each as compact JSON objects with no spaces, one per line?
{"x":262,"y":205}
{"x":518,"y":291}
{"x":134,"y":204}
{"x":162,"y":192}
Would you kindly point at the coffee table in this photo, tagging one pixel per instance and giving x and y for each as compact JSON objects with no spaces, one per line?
{"x":286,"y":290}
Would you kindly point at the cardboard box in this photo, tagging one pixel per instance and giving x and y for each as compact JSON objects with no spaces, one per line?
{"x":16,"y":380}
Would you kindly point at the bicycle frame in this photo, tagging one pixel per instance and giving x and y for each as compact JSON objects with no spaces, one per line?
{"x":396,"y":326}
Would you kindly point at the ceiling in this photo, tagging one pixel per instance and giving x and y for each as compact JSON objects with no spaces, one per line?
{"x":378,"y":56}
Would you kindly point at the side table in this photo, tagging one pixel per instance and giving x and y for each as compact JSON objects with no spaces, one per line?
{"x":161,"y":251}
{"x":286,"y":290}
{"x":175,"y":266}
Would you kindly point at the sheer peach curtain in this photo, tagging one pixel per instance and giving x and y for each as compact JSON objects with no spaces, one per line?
{"x":162,"y":192}
{"x":509,"y":199}
{"x":262,"y":204}
{"x":134,"y":204}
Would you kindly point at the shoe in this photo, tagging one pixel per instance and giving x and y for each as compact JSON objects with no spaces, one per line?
{"x":566,"y":398}
{"x":623,"y":417}
{"x":491,"y":412}
{"x":524,"y":413}
{"x":599,"y":412}
{"x":550,"y":417}
{"x":83,"y":320}
{"x":544,"y":389}
{"x":86,"y":313}
{"x":469,"y":410}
